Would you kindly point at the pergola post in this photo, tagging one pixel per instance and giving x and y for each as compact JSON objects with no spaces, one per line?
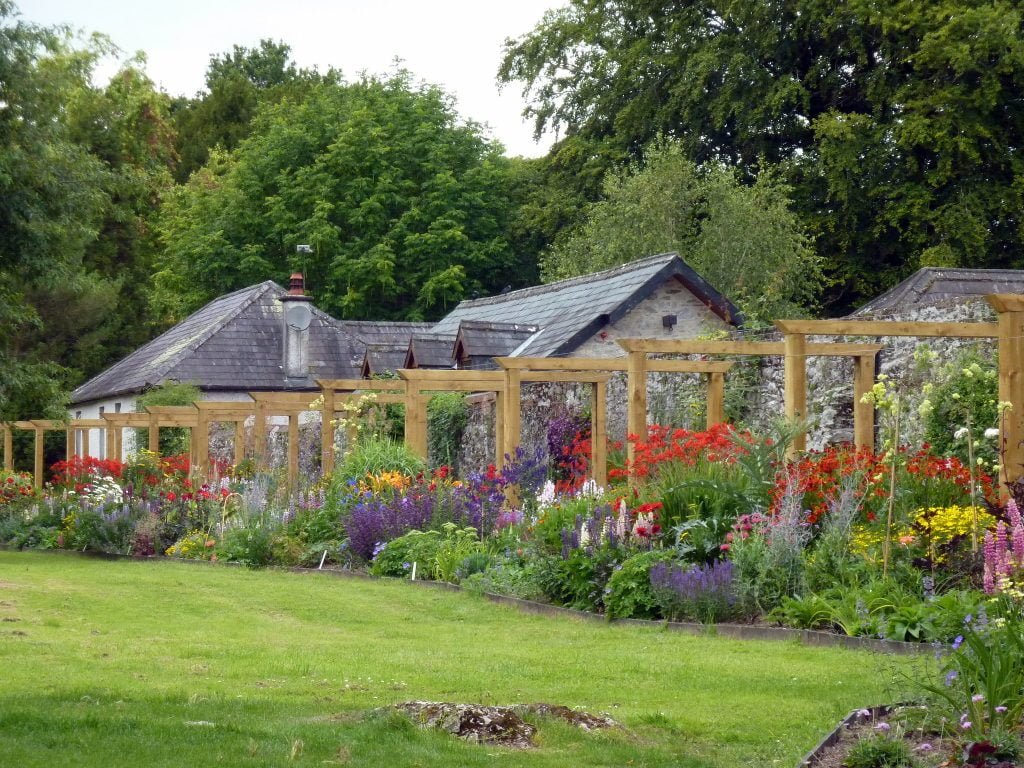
{"x":201,"y":446}
{"x":636,"y":420}
{"x":293,"y":451}
{"x":1011,"y":383}
{"x":238,"y":443}
{"x":599,"y":434}
{"x":511,"y":434}
{"x":154,"y":433}
{"x":110,"y":447}
{"x":37,"y":464}
{"x":327,"y":430}
{"x":259,"y":434}
{"x":795,"y":379}
{"x":716,"y":399}
{"x":863,"y":412}
{"x":69,"y":447}
{"x":8,"y":446}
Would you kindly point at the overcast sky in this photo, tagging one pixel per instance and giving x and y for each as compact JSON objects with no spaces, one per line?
{"x":456,"y":44}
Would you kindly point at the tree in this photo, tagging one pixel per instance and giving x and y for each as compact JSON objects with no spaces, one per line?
{"x":81,"y":168}
{"x":237,"y":83}
{"x":49,"y":202}
{"x":743,"y":239}
{"x":896,"y":123}
{"x":406,"y":209}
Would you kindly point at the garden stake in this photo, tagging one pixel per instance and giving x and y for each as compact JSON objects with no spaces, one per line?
{"x":322,"y":558}
{"x":413,"y":571}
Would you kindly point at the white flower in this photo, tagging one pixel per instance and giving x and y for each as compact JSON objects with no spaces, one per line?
{"x":960,"y":434}
{"x":992,"y":433}
{"x":546,"y":497}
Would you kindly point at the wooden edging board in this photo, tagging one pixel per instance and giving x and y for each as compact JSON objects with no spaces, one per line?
{"x":811,"y":758}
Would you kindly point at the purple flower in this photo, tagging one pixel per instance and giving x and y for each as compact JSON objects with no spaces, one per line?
{"x":1000,"y":709}
{"x":957,"y":641}
{"x":884,"y":727}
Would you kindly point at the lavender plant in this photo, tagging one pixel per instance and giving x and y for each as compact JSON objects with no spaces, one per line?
{"x":701,"y":592}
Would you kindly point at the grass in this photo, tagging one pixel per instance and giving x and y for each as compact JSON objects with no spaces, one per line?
{"x":168,"y":664}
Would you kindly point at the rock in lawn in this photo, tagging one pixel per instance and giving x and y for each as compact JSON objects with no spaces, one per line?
{"x":495,"y":725}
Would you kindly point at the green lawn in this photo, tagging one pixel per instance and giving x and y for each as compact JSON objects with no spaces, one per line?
{"x":170,"y":664}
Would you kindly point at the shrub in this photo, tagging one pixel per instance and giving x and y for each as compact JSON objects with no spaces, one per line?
{"x":397,"y":556}
{"x":630,"y":592}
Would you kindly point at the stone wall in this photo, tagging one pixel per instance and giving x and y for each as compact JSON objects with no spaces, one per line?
{"x":754,"y":388}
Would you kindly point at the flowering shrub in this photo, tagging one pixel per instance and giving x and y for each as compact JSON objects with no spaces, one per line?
{"x":78,"y":471}
{"x":16,"y":489}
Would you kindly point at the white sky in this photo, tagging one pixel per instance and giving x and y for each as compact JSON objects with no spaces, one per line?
{"x":456,"y":44}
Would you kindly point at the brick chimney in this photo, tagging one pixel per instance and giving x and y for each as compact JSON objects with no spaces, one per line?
{"x":297,"y":313}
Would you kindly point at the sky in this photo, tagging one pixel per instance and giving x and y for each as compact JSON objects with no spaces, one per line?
{"x":456,"y":44}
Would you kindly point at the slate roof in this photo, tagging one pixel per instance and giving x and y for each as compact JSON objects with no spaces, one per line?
{"x":478,"y":341}
{"x":383,"y":358}
{"x":233,"y":343}
{"x":382,"y":331}
{"x":571,"y":311}
{"x":431,"y":350}
{"x":937,"y":285}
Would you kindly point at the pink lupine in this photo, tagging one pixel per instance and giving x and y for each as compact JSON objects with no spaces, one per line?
{"x":989,"y":578}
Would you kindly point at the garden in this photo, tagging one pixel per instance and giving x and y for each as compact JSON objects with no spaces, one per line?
{"x":908,"y":544}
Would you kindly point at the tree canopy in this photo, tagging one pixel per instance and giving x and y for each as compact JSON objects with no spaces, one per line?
{"x":406,"y":208}
{"x":79,"y":167}
{"x":743,"y":239}
{"x":898,"y":124}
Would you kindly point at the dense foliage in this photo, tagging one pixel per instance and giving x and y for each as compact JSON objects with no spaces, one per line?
{"x":896,"y":123}
{"x":405,"y":207}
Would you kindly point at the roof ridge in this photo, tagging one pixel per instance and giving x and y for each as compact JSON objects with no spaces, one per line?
{"x":591,"y":277}
{"x":258,"y":291}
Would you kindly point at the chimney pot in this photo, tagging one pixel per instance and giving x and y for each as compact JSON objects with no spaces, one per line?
{"x":296,"y":286}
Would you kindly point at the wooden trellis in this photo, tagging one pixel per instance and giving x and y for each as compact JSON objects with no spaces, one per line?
{"x":596,"y":371}
{"x":637,"y":351}
{"x":1008,"y":330}
{"x":420,"y":380}
{"x":336,"y":392}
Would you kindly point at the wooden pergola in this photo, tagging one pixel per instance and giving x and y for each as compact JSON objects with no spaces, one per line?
{"x":596,"y":372}
{"x":421,"y":380}
{"x":638,"y":364}
{"x":1008,"y":331}
{"x":336,"y":392}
